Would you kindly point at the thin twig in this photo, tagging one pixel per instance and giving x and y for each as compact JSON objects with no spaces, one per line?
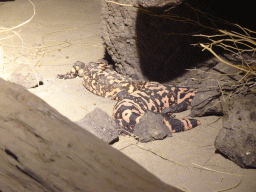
{"x":212,"y":170}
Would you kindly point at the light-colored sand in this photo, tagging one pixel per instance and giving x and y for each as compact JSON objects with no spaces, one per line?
{"x":62,"y":32}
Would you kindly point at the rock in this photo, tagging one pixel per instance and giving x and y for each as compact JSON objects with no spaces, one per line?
{"x":216,"y":81}
{"x":100,"y":124}
{"x":26,"y":76}
{"x":206,"y":103}
{"x":41,"y":150}
{"x":237,"y":138}
{"x":146,"y":42}
{"x":151,"y":127}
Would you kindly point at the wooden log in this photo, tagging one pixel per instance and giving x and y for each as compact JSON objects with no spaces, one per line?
{"x":41,"y":150}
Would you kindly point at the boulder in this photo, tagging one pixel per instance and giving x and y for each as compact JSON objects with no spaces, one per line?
{"x":148,"y":39}
{"x":237,"y":139}
{"x":41,"y":150}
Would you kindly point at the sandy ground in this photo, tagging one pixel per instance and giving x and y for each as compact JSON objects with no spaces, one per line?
{"x":62,"y":32}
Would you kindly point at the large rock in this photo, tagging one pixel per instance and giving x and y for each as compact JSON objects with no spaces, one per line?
{"x":237,"y":138}
{"x":41,"y":150}
{"x":149,"y":39}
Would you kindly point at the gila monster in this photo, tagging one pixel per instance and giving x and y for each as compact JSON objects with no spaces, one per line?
{"x":135,"y":97}
{"x":102,"y":80}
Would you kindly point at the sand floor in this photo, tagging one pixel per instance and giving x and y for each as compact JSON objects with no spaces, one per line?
{"x":62,"y":32}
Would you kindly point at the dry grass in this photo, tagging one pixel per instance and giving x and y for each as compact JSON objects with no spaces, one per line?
{"x":239,"y":46}
{"x":232,"y":42}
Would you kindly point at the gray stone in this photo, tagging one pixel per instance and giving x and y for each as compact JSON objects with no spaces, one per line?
{"x":216,"y":82}
{"x":151,"y":127}
{"x":206,"y":103}
{"x":26,"y":76}
{"x":237,"y":138}
{"x":100,"y":124}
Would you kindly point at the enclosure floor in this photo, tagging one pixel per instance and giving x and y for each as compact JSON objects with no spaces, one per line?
{"x":62,"y":32}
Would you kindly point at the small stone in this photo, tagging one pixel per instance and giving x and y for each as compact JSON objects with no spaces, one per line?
{"x":24,"y":75}
{"x":151,"y":127}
